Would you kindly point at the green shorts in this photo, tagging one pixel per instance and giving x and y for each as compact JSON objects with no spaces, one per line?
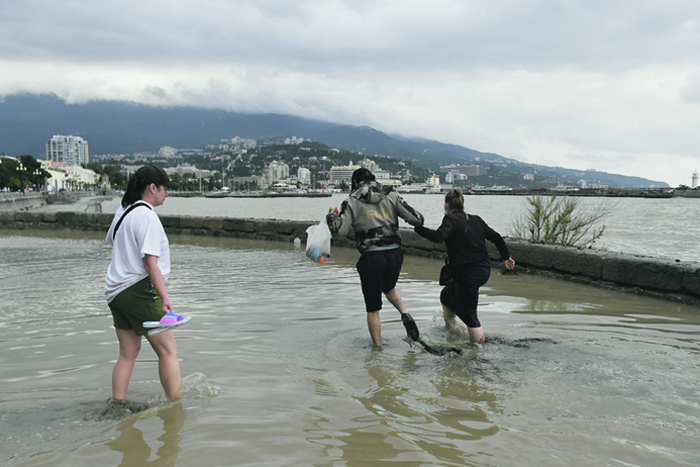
{"x":137,"y":304}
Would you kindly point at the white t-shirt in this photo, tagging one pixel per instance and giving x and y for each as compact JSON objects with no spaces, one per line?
{"x":140,"y":233}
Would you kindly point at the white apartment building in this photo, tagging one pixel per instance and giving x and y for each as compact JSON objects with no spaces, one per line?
{"x":382,"y":176}
{"x":71,"y":150}
{"x":469,"y":170}
{"x":167,"y":151}
{"x":304,"y":176}
{"x":433,"y":181}
{"x":370,"y":165}
{"x":455,"y":176}
{"x":276,"y":172}
{"x":343,"y":173}
{"x":182,"y":170}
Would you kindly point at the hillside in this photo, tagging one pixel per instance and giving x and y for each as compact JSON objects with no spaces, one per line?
{"x":111,"y":127}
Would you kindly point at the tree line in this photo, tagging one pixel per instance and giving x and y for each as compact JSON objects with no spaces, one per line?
{"x":22,"y":173}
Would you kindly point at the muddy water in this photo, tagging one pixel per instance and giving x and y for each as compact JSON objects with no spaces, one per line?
{"x":279,"y":369}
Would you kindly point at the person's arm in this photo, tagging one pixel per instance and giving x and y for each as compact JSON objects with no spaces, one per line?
{"x":495,"y":238}
{"x":150,"y":263}
{"x":340,"y":224}
{"x":407,"y":213}
{"x":441,"y":234}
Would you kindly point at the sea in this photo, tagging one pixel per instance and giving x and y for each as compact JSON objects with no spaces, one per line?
{"x":279,"y":370}
{"x":665,"y":228}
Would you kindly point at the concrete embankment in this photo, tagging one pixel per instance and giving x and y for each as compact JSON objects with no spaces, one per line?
{"x":21,"y":201}
{"x":666,"y":279}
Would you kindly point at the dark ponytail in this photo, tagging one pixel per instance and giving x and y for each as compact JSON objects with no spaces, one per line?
{"x":134,"y":190}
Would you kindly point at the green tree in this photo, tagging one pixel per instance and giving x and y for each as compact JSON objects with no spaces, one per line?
{"x":30,"y":172}
{"x":175,"y":177}
{"x":116,"y":179}
{"x":94,"y":166}
{"x":8,"y":173}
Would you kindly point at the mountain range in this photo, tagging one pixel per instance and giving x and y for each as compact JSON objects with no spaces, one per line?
{"x":27,"y":121}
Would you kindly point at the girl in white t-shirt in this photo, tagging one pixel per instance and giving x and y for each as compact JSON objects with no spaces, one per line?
{"x":135,"y":282}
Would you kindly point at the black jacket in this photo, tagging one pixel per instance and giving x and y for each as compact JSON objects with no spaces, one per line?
{"x":465,"y":249}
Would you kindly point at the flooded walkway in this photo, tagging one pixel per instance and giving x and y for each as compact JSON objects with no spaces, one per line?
{"x":279,"y":368}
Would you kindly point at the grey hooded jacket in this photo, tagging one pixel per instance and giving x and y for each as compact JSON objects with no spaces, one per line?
{"x":373,"y":212}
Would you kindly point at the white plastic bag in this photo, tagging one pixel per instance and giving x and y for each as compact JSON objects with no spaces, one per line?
{"x":318,"y":242}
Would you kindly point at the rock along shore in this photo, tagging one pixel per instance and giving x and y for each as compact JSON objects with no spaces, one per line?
{"x":661,"y":278}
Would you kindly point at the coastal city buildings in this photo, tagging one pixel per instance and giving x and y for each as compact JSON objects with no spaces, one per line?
{"x":68,"y":177}
{"x":343,"y":173}
{"x":293,"y":140}
{"x":468,"y":170}
{"x":71,"y":150}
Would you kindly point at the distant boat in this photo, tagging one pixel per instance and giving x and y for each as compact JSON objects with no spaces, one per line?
{"x":492,"y":188}
{"x":564,"y":188}
{"x":217,"y":194}
{"x":500,"y":188}
{"x":658,"y":194}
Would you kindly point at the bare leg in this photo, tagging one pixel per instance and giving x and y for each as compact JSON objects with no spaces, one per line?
{"x":375,"y":327}
{"x":129,"y":347}
{"x":168,"y":365}
{"x":476,"y":334}
{"x":395,"y":299}
{"x":449,"y":317}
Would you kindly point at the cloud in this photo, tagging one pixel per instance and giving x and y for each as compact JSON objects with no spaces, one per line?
{"x":527,"y":79}
{"x":690,"y":92}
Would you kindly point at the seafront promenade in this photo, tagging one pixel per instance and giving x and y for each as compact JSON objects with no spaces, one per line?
{"x":662,"y":278}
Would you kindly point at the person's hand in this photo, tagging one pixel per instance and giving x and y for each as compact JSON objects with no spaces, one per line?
{"x":509,"y":263}
{"x":167,"y":305}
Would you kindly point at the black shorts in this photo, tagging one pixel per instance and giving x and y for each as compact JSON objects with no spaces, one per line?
{"x":379,"y":271}
{"x":462,"y":295}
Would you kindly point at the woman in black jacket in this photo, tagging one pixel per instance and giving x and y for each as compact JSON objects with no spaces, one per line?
{"x":465,"y":237}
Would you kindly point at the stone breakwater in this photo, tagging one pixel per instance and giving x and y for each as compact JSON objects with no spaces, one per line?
{"x":661,"y":278}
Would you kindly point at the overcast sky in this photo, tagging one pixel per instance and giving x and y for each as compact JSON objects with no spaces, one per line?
{"x":612,"y":85}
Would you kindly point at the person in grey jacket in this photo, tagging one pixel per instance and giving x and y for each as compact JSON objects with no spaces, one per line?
{"x":373,"y":212}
